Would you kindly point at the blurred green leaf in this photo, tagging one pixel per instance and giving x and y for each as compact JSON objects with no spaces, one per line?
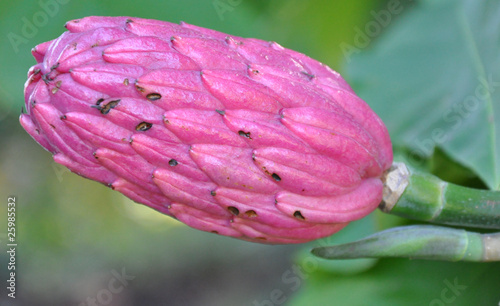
{"x":451,"y":171}
{"x":402,"y":282}
{"x":434,"y":78}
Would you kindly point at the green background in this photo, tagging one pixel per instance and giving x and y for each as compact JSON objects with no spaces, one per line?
{"x":416,"y":66}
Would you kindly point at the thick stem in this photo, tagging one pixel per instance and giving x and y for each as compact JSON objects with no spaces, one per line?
{"x":424,"y":197}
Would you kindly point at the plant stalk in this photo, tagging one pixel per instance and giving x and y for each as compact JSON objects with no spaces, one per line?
{"x":424,"y":197}
{"x":419,"y":242}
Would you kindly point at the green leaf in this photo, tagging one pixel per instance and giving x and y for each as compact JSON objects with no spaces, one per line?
{"x":404,"y":282}
{"x":434,"y":78}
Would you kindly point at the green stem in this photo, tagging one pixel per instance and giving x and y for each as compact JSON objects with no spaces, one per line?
{"x":419,"y":242}
{"x":424,"y":197}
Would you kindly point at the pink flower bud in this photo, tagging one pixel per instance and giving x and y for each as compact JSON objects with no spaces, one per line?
{"x":234,"y":136}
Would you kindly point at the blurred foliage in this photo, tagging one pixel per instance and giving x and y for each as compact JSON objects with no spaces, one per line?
{"x":73,"y":233}
{"x":403,"y":282}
